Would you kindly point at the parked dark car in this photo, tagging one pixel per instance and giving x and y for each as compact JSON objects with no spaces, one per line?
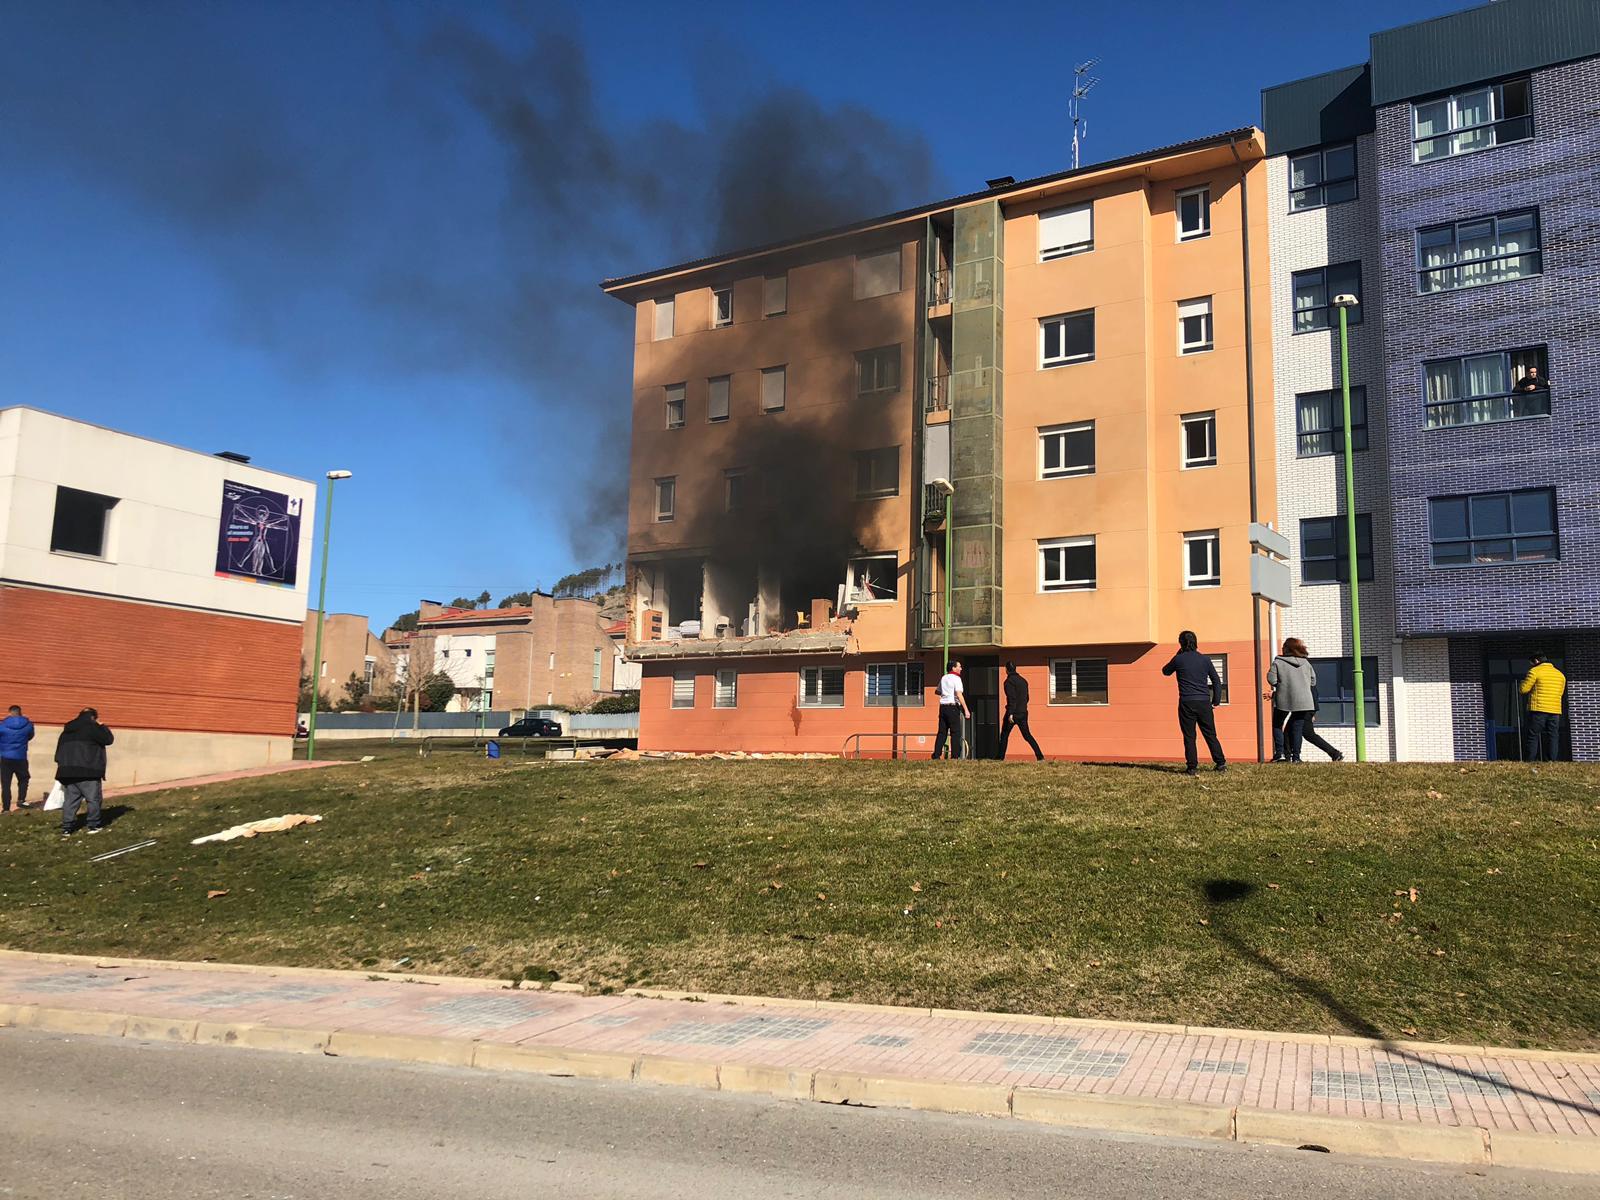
{"x":532,"y":727}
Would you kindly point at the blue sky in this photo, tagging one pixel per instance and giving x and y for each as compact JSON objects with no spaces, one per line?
{"x":367,"y":236}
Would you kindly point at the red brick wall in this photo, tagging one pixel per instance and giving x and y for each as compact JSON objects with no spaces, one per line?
{"x":144,"y":666}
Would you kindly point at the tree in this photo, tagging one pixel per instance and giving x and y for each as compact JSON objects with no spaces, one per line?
{"x":463,"y":602}
{"x":624,"y":702}
{"x":406,"y":622}
{"x":483,"y":599}
{"x":516,"y":600}
{"x":437,"y":690}
{"x":355,"y":690}
{"x":304,"y":701}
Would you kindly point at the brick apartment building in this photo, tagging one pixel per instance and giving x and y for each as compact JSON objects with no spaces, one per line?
{"x":162,"y":586}
{"x":349,"y":647}
{"x":1086,"y":357}
{"x":1448,"y":182}
{"x":549,"y":652}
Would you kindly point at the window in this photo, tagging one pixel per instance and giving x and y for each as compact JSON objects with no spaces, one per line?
{"x":1325,"y":549}
{"x":1194,"y":325}
{"x":488,"y":665}
{"x":877,"y":274}
{"x":1194,"y":214}
{"x":1319,"y":422}
{"x":666,"y":498}
{"x":892,"y":685}
{"x":878,"y":370}
{"x":1201,"y":559}
{"x":733,"y":490}
{"x":821,"y":687}
{"x":665,"y":318}
{"x":466,"y":653}
{"x":370,"y":669}
{"x":683,"y":688}
{"x":1473,"y":253}
{"x":1065,"y":231}
{"x":1067,"y":565}
{"x":1480,"y":388}
{"x":877,"y":473}
{"x":1314,"y":292}
{"x":721,"y":307}
{"x":552,"y":660}
{"x":1336,"y":690}
{"x":1066,"y":339}
{"x":595,"y":684}
{"x":675,"y":405}
{"x":1220,"y":662}
{"x":1199,"y":440}
{"x":1475,"y":119}
{"x":1079,"y":681}
{"x":726,"y":693}
{"x":1066,"y":450}
{"x":717,"y":392}
{"x":872,"y":579}
{"x":82,"y":521}
{"x":773,"y":383}
{"x":1322,"y":177}
{"x":1494,"y":528}
{"x":774,"y":295}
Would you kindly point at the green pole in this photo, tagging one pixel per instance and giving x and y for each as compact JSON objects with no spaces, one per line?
{"x":322,"y":604}
{"x":1350,"y":534}
{"x":949,"y":573}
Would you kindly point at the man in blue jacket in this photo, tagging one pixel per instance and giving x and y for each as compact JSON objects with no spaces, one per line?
{"x":16,"y":731}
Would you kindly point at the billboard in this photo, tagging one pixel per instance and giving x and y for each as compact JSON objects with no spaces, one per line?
{"x":258,"y":537}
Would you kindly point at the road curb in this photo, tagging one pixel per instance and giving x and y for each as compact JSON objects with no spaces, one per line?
{"x":1454,"y":1145}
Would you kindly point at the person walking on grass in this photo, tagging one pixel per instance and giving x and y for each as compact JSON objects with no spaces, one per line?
{"x":952,"y":711}
{"x":1543,"y":685}
{"x":16,"y":731}
{"x":1199,"y":692}
{"x":1294,"y":704}
{"x":81,"y":768}
{"x":1017,"y":712}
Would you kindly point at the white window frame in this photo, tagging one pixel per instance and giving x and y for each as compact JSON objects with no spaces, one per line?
{"x":1202,"y":419}
{"x":900,"y":685}
{"x":1070,"y":700}
{"x":679,"y":676}
{"x":871,"y":363}
{"x":1220,"y":663}
{"x":727,"y":399}
{"x":888,"y":558}
{"x":1062,"y":319}
{"x":774,"y":295}
{"x":1199,"y":306}
{"x":1214,"y":577}
{"x":677,"y":394}
{"x":781,"y":373}
{"x":668,"y":306}
{"x":666,"y":514}
{"x":818,"y":697}
{"x":1204,"y":230}
{"x":1066,"y":249}
{"x":1048,"y":585}
{"x":725,"y":688}
{"x":1052,"y":431}
{"x":718,"y":320}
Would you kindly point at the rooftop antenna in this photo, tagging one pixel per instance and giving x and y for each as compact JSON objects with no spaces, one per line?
{"x":1082,"y":85}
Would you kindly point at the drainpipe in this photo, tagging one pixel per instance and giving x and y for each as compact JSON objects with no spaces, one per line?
{"x":1250,"y":427}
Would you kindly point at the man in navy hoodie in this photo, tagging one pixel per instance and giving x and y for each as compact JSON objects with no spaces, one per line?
{"x":16,"y":731}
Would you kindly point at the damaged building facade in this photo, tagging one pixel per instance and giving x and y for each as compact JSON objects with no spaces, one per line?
{"x":1066,"y":382}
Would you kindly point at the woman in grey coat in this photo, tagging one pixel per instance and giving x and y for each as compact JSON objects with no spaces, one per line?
{"x":1294,"y":703}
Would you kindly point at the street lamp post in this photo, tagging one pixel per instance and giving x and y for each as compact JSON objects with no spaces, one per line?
{"x":948,"y":491}
{"x":1344,"y":303}
{"x":322,"y":604}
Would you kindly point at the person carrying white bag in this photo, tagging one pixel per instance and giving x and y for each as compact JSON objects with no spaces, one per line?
{"x":81,"y":767}
{"x":56,"y":798}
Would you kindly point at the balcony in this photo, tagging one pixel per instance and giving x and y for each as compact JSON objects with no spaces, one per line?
{"x":938,"y":288}
{"x":935,"y":504}
{"x":937,"y":399}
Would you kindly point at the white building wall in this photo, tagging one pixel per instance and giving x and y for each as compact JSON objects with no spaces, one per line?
{"x":1314,"y":487}
{"x":1423,"y":677}
{"x":463,"y":657}
{"x":162,"y":533}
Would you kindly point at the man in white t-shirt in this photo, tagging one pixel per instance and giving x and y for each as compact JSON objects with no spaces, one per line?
{"x":952,"y":708}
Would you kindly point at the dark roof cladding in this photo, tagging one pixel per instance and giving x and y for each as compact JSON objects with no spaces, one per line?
{"x":1215,"y":139}
{"x":1335,"y":106}
{"x":1483,"y":43}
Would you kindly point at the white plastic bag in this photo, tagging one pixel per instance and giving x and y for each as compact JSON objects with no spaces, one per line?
{"x":56,"y":798}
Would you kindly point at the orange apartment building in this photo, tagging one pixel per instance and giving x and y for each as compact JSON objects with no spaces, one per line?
{"x":1085,"y":358}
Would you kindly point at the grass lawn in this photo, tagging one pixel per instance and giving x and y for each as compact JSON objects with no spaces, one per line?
{"x":1270,"y":897}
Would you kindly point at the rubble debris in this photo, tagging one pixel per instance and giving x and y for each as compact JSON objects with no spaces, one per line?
{"x":250,"y":828}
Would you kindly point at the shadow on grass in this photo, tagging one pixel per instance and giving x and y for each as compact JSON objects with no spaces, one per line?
{"x":1220,"y":894}
{"x":1159,"y":768}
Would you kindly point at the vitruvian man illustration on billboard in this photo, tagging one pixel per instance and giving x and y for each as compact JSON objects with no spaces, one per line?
{"x":259,"y":535}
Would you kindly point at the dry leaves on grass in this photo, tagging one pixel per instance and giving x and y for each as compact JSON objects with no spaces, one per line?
{"x":216,"y":893}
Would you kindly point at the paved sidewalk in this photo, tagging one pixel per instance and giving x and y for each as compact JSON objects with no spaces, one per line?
{"x":1443,"y":1095}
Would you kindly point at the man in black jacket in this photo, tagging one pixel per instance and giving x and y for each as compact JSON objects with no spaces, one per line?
{"x":1199,"y":691}
{"x":1017,"y":712}
{"x":81,"y":766}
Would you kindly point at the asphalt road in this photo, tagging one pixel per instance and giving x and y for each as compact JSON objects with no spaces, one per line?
{"x":87,"y":1117}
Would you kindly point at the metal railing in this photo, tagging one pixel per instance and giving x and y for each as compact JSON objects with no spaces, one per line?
{"x":935,"y":503}
{"x":939,"y":286}
{"x":899,"y":745}
{"x":938,"y":397}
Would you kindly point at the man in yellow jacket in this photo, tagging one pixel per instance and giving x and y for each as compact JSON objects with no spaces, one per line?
{"x":1544,"y":686}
